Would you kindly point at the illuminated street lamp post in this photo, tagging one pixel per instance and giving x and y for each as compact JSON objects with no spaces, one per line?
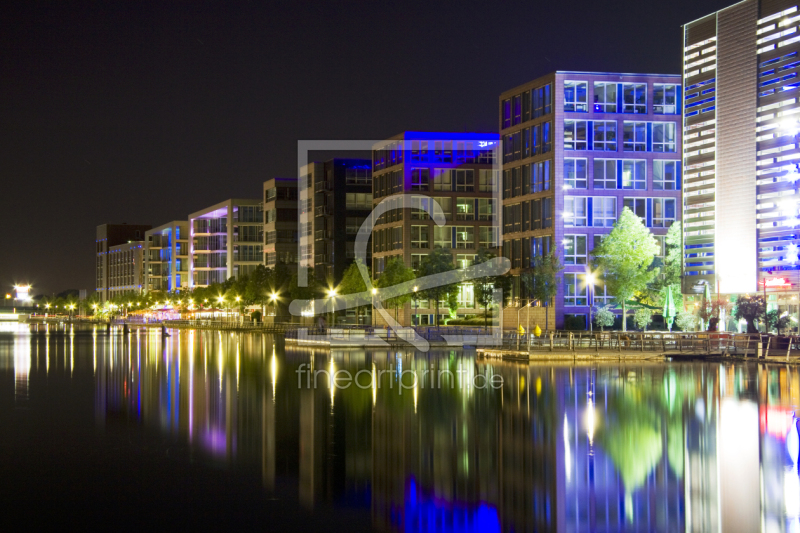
{"x":590,"y":279}
{"x":372,"y":312}
{"x":274,"y":299}
{"x":416,"y":316}
{"x":331,"y":301}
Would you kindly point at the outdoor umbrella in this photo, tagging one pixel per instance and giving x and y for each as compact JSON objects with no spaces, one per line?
{"x":706,"y":299}
{"x":669,"y":308}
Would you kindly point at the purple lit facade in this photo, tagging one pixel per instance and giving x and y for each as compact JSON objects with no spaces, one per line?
{"x":578,"y":147}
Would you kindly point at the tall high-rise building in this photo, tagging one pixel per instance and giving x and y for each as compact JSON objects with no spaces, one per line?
{"x":740,"y":151}
{"x":335,"y":199}
{"x":579,"y":147}
{"x":226,"y":241}
{"x":166,"y":257}
{"x":118,"y":259}
{"x":280,"y":221}
{"x":456,"y":170}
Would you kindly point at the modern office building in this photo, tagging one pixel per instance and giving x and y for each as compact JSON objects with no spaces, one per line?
{"x":578,"y":147}
{"x":335,"y":199}
{"x":740,"y":152}
{"x":226,"y":241}
{"x":166,"y":257}
{"x":456,"y":170}
{"x":280,"y":221}
{"x":118,"y":267}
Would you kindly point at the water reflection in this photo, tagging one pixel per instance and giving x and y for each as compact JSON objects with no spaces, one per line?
{"x":423,"y":446}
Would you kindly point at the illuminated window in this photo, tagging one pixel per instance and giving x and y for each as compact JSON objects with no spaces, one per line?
{"x":419,"y":205}
{"x":465,"y":180}
{"x":416,"y":261}
{"x":465,"y":209}
{"x":506,"y":109}
{"x":575,"y":173}
{"x":574,"y":289}
{"x":442,"y":179}
{"x":665,"y":99}
{"x":447,"y":207}
{"x":634,"y":174}
{"x":605,"y":174}
{"x":604,"y":211}
{"x":574,"y":249}
{"x":665,"y":175}
{"x":634,"y":136}
{"x":464,"y":261}
{"x":466,"y":294}
{"x":605,"y":97}
{"x":575,"y":212}
{"x":605,"y":135}
{"x":575,"y":135}
{"x":600,"y":296}
{"x":634,"y":98}
{"x":358,"y":200}
{"x":443,"y":236}
{"x":488,"y":237}
{"x":663,"y":136}
{"x":575,"y":96}
{"x":485,"y":209}
{"x":465,"y":237}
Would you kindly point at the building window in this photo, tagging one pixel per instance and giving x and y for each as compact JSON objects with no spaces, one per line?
{"x":464,"y":261}
{"x":547,"y":138}
{"x":665,"y":175}
{"x":465,"y":180}
{"x":604,"y":211}
{"x":517,"y":109}
{"x":419,"y":207}
{"x":419,"y":179}
{"x":442,"y":236}
{"x":575,"y":135}
{"x":575,"y":96}
{"x":638,"y":206}
{"x":575,"y":173}
{"x":540,"y":176}
{"x":605,"y":97}
{"x":634,"y":175}
{"x":605,"y":174}
{"x":634,"y":98}
{"x":466,"y":295}
{"x":488,"y":237}
{"x":634,"y":136}
{"x":605,"y":135}
{"x":574,"y":249}
{"x":575,"y":212}
{"x":416,"y":261}
{"x":487,"y":180}
{"x":447,"y":207}
{"x":465,"y":209}
{"x":465,"y":237}
{"x":665,"y":99}
{"x":359,"y":175}
{"x":506,"y":109}
{"x":358,"y":200}
{"x":442,"y":179}
{"x":664,"y":137}
{"x":600,"y":296}
{"x":663,"y":212}
{"x":662,"y":245}
{"x":485,"y":208}
{"x":419,"y":237}
{"x":574,"y":289}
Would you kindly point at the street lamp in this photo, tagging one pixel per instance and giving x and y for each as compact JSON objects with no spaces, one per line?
{"x":590,"y":279}
{"x":416,"y":316}
{"x":372,"y":313}
{"x":331,"y":299}
{"x":520,"y":308}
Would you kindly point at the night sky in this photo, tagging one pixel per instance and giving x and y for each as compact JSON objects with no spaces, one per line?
{"x":143,"y":112}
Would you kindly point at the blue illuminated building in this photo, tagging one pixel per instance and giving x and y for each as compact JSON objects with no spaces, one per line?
{"x":579,"y":147}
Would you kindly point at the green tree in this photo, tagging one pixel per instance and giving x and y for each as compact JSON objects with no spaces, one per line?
{"x":604,"y":317}
{"x":394,"y":273}
{"x":686,"y":321}
{"x":540,"y":282}
{"x":437,"y":262}
{"x":670,"y":269}
{"x":750,"y":308}
{"x":257,"y":289}
{"x":353,"y":283}
{"x":484,"y":287}
{"x":625,"y":256}
{"x":642,"y":318}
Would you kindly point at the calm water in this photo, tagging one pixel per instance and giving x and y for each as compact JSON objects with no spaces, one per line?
{"x":220,"y":430}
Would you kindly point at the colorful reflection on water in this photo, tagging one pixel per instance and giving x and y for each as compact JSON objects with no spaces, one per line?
{"x":625,"y":447}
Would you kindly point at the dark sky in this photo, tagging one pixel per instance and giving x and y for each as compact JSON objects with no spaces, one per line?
{"x":143,"y":112}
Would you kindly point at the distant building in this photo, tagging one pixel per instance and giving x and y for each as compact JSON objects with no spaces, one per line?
{"x":226,"y":241}
{"x":335,"y":199}
{"x":280,"y":221}
{"x":118,"y":259}
{"x":579,"y":147}
{"x":166,"y":257}
{"x":456,"y":171}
